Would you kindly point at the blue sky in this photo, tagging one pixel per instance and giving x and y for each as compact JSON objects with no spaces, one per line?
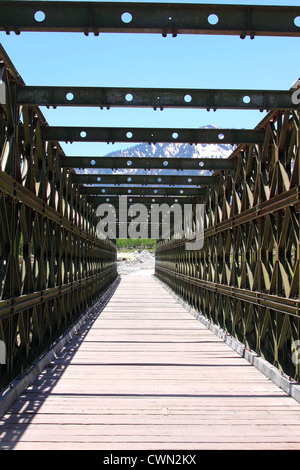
{"x":133,"y":60}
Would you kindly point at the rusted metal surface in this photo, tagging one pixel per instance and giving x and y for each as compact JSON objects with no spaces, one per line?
{"x":150,"y":135}
{"x":246,"y":277}
{"x":52,"y":265}
{"x":157,"y":98}
{"x":137,"y":190}
{"x":160,"y":18}
{"x":166,"y":163}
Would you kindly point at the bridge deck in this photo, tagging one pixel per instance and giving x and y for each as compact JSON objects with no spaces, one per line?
{"x":147,"y":375}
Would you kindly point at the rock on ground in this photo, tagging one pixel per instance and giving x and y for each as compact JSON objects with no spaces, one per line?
{"x":127,"y":262}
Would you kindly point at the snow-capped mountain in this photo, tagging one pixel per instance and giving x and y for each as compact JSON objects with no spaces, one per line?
{"x":175,"y":150}
{"x":168,"y":150}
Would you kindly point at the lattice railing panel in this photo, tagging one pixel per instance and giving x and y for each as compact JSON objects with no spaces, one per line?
{"x":246,"y":277}
{"x":52,"y":264}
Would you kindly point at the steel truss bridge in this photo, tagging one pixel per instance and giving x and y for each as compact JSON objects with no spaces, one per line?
{"x":53,"y":266}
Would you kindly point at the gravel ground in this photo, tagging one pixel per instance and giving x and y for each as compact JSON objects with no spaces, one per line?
{"x":135,"y":261}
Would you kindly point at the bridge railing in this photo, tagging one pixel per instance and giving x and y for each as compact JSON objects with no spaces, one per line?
{"x":245,"y":279}
{"x":52,"y":264}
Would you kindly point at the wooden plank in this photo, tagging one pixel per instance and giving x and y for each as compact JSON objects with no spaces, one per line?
{"x":147,"y":375}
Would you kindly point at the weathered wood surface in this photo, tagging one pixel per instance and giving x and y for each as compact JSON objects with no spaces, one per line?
{"x":147,"y":375}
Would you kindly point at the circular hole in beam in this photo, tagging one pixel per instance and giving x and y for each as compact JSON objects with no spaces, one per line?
{"x":188,"y":98}
{"x":39,"y":16}
{"x":297,"y":21}
{"x":221,"y":136}
{"x":129,"y":97}
{"x":175,"y":135}
{"x":129,"y":179}
{"x":70,"y":96}
{"x":103,"y":190}
{"x":98,"y":179}
{"x":166,"y":163}
{"x":129,"y":162}
{"x":83,"y":134}
{"x":129,"y":135}
{"x":246,"y":99}
{"x":201,"y":163}
{"x":126,"y":17}
{"x":213,"y":19}
{"x":93,"y":162}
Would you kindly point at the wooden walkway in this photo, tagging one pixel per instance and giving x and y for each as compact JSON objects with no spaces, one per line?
{"x":147,"y":375}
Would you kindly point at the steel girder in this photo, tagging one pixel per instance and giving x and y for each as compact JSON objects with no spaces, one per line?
{"x":146,"y":200}
{"x":157,"y":98}
{"x":140,"y":190}
{"x":246,"y":277}
{"x":147,"y":163}
{"x":145,"y":180}
{"x":168,"y":18}
{"x":150,"y":135}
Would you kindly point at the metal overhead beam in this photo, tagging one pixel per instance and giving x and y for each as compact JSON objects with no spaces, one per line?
{"x":148,"y":163}
{"x":156,"y":98}
{"x":114,"y":200}
{"x":133,"y":190}
{"x":150,"y":135}
{"x":194,"y":180}
{"x":168,"y":18}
